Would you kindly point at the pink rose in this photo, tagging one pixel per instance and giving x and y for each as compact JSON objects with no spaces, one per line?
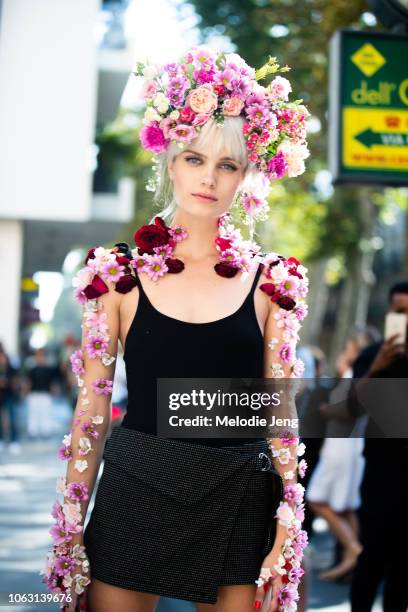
{"x":149,"y":90}
{"x":232,"y":107}
{"x":203,"y":99}
{"x":280,"y":88}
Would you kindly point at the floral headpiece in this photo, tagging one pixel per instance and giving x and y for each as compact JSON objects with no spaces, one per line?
{"x":182,"y":97}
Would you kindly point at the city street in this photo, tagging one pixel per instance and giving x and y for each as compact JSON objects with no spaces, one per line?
{"x":27,"y":491}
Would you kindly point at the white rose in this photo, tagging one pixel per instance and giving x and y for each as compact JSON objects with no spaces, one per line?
{"x":174,"y":114}
{"x":151,"y":115}
{"x":161,"y":102}
{"x":150,"y":72}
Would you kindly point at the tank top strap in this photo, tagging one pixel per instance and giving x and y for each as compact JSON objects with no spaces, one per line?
{"x":139,"y":285}
{"x":256,"y":279}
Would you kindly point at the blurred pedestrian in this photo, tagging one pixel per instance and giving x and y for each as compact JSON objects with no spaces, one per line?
{"x":384,"y":529}
{"x":9,"y":382}
{"x":334,"y":489}
{"x":42,"y":379}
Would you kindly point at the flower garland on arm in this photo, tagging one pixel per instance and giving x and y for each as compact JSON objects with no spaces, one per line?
{"x":67,"y":566}
{"x":287,"y":286}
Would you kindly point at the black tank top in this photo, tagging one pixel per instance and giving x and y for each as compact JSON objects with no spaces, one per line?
{"x":159,"y":346}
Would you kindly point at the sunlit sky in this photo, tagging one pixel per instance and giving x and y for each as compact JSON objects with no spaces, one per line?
{"x":161,"y":31}
{"x":157,"y":32}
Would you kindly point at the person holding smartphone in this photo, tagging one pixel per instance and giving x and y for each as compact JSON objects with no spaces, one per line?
{"x":384,"y":530}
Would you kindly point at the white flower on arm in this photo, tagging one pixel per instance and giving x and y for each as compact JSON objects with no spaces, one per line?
{"x":66,"y":440}
{"x":81,"y":465}
{"x":301,"y":449}
{"x":285,"y":514}
{"x":84,"y":446}
{"x":282,"y":455}
{"x":61,"y":485}
{"x":277,"y":370}
{"x":97,"y":420}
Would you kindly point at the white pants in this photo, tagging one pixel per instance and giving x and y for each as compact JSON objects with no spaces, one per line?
{"x":40,"y":414}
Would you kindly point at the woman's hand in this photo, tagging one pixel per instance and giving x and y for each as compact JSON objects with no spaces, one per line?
{"x":274,"y":582}
{"x":78,"y":601}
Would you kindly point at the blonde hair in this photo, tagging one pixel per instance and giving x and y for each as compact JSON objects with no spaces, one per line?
{"x":227,"y":137}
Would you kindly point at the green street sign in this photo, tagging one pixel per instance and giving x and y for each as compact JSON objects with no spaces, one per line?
{"x":368,"y":108}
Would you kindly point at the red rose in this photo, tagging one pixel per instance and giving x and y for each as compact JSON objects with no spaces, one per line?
{"x":225,"y":270}
{"x":268,"y":288}
{"x":174,"y":265}
{"x":148,"y":237}
{"x":223,"y":243}
{"x":286,"y":303}
{"x":90,"y":255}
{"x":125,"y":284}
{"x":187,"y":115}
{"x":95,"y":289}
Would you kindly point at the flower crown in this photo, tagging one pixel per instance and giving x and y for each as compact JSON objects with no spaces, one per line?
{"x":182,"y":97}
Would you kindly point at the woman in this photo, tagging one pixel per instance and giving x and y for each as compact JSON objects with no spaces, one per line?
{"x":190,"y":519}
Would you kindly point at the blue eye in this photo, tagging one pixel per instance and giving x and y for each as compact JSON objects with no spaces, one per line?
{"x":193,"y":159}
{"x":230,"y":167}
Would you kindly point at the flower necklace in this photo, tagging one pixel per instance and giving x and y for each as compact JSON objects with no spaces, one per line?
{"x":155,"y":245}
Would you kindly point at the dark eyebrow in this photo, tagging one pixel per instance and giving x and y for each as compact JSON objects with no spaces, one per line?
{"x":202,"y":155}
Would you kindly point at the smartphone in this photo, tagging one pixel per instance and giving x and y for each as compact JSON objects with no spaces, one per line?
{"x":396,"y":323}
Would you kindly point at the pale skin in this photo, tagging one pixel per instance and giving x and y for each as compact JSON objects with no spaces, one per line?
{"x":196,"y":295}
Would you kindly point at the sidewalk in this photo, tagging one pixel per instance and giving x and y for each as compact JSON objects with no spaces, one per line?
{"x":27,"y":491}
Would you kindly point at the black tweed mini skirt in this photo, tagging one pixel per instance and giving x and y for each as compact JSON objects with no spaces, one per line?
{"x":179,"y":519}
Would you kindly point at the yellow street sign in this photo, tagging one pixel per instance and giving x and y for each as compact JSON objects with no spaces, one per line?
{"x":375,"y":138}
{"x":368,"y":59}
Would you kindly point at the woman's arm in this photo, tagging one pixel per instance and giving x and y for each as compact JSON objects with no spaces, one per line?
{"x":67,"y":568}
{"x":286,"y":284}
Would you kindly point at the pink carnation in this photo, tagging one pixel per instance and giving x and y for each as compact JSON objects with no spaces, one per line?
{"x":286,"y":353}
{"x":152,"y":138}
